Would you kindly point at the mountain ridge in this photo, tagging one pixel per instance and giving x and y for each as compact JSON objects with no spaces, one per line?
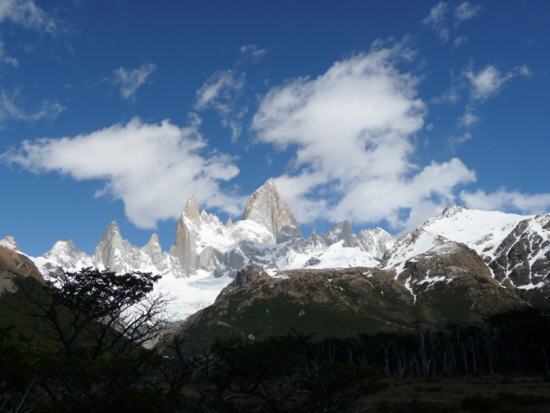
{"x":207,"y":253}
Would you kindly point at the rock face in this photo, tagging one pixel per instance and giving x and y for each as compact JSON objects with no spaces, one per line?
{"x":515,"y":247}
{"x":523,"y":257}
{"x":185,"y":247}
{"x":267,"y":207}
{"x":154,"y":250}
{"x":451,"y":283}
{"x":116,"y":253}
{"x":14,"y":264}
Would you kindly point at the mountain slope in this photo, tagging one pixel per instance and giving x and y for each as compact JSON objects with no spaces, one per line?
{"x":449,"y":285}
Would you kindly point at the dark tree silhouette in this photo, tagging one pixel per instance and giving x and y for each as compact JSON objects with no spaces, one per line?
{"x":92,"y":328}
{"x":98,"y":309}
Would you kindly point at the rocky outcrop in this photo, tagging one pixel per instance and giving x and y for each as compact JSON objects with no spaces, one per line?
{"x":12,"y":265}
{"x":116,"y":253}
{"x":523,"y":257}
{"x":452,"y":284}
{"x":267,"y":207}
{"x":154,"y":251}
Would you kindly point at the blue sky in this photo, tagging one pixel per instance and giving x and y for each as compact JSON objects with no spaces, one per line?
{"x":378,"y":112}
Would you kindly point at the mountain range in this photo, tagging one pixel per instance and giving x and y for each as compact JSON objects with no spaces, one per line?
{"x":496,"y":259}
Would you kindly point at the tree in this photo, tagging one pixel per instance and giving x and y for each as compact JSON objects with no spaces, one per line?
{"x":93,"y":328}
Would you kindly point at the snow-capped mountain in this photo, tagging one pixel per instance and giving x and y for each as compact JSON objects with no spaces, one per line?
{"x":207,"y":253}
{"x":515,"y":247}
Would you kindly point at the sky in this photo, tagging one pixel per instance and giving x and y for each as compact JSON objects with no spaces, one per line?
{"x":380,"y":112}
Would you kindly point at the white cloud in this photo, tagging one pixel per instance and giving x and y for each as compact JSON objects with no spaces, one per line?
{"x":461,"y":40}
{"x":444,"y":21}
{"x":436,"y":20}
{"x":466,"y":11}
{"x":469,"y":118}
{"x":507,"y":200}
{"x":130,"y":80}
{"x":218,"y":90}
{"x":152,"y":168}
{"x":489,"y":80}
{"x":11,"y":108}
{"x":253,"y":51}
{"x":456,"y":141}
{"x":28,"y":14}
{"x":221,"y":93}
{"x":351,"y":130}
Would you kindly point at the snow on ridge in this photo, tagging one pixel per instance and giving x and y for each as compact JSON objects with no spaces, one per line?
{"x":481,"y":230}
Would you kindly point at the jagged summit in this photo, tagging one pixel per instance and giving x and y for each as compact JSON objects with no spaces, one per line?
{"x":191,"y":209}
{"x":153,"y":241}
{"x":267,"y":207}
{"x":516,"y":248}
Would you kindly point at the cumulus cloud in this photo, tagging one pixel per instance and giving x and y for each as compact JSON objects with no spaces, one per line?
{"x":130,"y":80}
{"x":507,"y":200}
{"x":27,"y":13}
{"x":489,"y":80}
{"x":221,"y":93}
{"x":12,"y":109}
{"x":351,"y":130}
{"x":152,"y":168}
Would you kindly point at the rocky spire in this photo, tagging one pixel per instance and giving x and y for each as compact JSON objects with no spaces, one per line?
{"x":267,"y":207}
{"x":114,"y":252}
{"x":184,"y":247}
{"x":191,"y":209}
{"x":154,"y":251}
